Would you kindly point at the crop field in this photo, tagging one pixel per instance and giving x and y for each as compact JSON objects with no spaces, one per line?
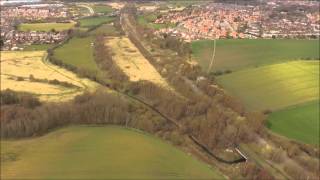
{"x":274,"y":86}
{"x":238,"y":54}
{"x":89,"y":152}
{"x":95,"y":21}
{"x":132,"y":62}
{"x":18,"y":69}
{"x":298,"y":122}
{"x":45,"y":26}
{"x":78,"y":52}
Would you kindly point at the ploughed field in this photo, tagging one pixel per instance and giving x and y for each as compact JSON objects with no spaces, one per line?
{"x":29,"y":71}
{"x":82,"y":152}
{"x":242,"y":53}
{"x":298,"y":122}
{"x":45,"y":26}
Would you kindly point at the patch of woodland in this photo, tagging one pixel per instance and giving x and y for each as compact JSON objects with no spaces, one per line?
{"x":24,"y":99}
{"x":21,"y":119}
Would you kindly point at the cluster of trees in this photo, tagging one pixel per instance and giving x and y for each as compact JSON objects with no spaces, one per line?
{"x":19,"y":120}
{"x":27,"y":100}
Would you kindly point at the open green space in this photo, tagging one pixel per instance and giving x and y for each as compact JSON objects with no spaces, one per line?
{"x":148,"y":21}
{"x":78,"y":52}
{"x":105,"y":29}
{"x":299,"y":122}
{"x":235,"y":54}
{"x":274,"y":86}
{"x":102,"y":9}
{"x":45,"y":26}
{"x":88,"y":152}
{"x":95,"y":21}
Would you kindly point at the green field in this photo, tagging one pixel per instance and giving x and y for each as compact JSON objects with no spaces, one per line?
{"x":147,"y":20}
{"x":95,"y":21}
{"x":111,"y":152}
{"x":105,"y":29}
{"x":237,"y":54}
{"x":274,"y":86}
{"x":78,"y":52}
{"x":299,"y":122}
{"x":45,"y":26}
{"x":102,"y":9}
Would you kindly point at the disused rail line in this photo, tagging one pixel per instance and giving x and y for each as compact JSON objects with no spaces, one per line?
{"x":190,"y":136}
{"x":147,"y":55}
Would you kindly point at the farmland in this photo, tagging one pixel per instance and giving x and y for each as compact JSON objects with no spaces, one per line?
{"x":298,"y":122}
{"x":27,"y":71}
{"x":238,"y":54}
{"x":132,"y":62}
{"x":94,"y":21}
{"x":45,"y":26}
{"x":274,"y":86}
{"x":82,"y":152}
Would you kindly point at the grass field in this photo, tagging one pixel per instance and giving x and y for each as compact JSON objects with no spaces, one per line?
{"x":238,"y":54}
{"x":94,"y":21}
{"x":82,"y":152}
{"x":147,"y":20}
{"x":299,"y":122}
{"x":17,"y":67}
{"x":78,"y":52}
{"x":105,"y":29}
{"x":45,"y":26}
{"x":102,"y":9}
{"x":274,"y":86}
